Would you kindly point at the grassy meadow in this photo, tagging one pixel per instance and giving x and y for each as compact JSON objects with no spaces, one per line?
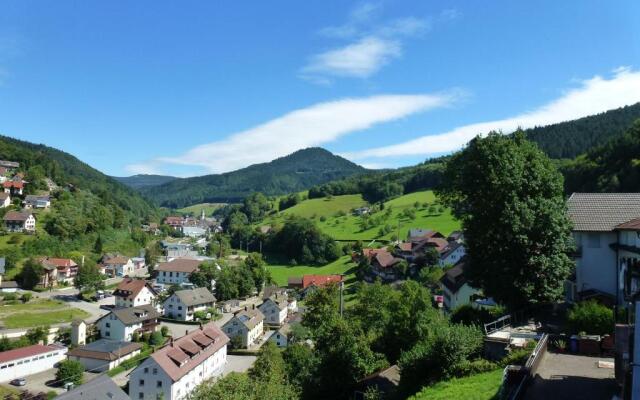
{"x":38,"y":312}
{"x":196,"y":209}
{"x":483,"y":386}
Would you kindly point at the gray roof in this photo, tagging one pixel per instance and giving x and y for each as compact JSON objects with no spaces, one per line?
{"x":602,"y":212}
{"x":134,"y":315}
{"x":105,"y":349}
{"x":100,"y":388}
{"x":195,"y":297}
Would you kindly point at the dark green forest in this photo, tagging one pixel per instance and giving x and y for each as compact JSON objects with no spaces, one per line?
{"x":143,"y":180}
{"x":295,"y":172}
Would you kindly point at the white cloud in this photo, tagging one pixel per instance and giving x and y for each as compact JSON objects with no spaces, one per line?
{"x":150,"y":168}
{"x":360,"y":59}
{"x":372,"y":45}
{"x":592,"y":96}
{"x":307,"y":127}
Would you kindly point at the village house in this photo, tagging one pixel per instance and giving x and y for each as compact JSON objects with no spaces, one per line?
{"x":456,"y":290}
{"x":174,"y":371}
{"x":5,"y":200}
{"x":19,"y":221}
{"x":6,"y":286}
{"x":455,"y":236}
{"x":174,"y":221}
{"x":103,"y":354}
{"x":194,"y":231}
{"x":452,"y":253}
{"x":176,"y":271}
{"x":118,"y":266}
{"x":121,"y":323}
{"x":605,"y":231}
{"x":279,"y":338}
{"x":25,"y":361}
{"x":133,"y":292}
{"x":33,"y":201}
{"x":59,"y":270}
{"x":382,"y":264}
{"x":9,"y":165}
{"x":275,"y":310}
{"x":100,"y":388}
{"x":14,"y":188}
{"x":183,"y":304}
{"x":418,"y":234}
{"x":138,"y":263}
{"x":178,"y":249}
{"x":308,"y":283}
{"x":385,"y":382}
{"x":248,"y":324}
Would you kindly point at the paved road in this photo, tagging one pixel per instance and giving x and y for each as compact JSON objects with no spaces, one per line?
{"x":568,"y":376}
{"x":179,"y":330}
{"x":238,"y":363}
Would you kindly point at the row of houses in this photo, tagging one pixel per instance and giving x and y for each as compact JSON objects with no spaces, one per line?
{"x":194,"y":227}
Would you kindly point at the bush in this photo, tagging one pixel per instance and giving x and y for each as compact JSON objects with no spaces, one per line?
{"x":146,"y":337}
{"x":9,"y":297}
{"x":474,"y":367}
{"x":323,"y":218}
{"x":591,"y":317}
{"x":136,"y":337}
{"x":156,"y":338}
{"x":236,"y":342}
{"x":70,"y":371}
{"x":26,"y":297}
{"x":516,"y":357}
{"x":468,"y":315}
{"x":164,"y":331}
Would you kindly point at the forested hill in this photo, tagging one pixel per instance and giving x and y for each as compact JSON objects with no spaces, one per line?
{"x":40,"y":161}
{"x":295,"y":172}
{"x":572,"y":138}
{"x":143,"y":180}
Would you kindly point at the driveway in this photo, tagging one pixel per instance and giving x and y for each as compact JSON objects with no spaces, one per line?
{"x":178,"y":330}
{"x":37,"y":383}
{"x":237,"y":363}
{"x":568,"y":376}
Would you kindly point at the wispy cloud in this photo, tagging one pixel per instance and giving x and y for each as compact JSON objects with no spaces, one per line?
{"x":592,"y":96}
{"x":312,"y":126}
{"x":371,"y":45}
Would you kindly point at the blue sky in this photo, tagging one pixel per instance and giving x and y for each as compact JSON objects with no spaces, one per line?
{"x":188,"y":88}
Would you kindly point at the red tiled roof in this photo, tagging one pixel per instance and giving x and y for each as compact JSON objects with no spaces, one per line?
{"x":180,"y":265}
{"x":16,"y":216}
{"x":59,"y":262}
{"x":117,"y":260}
{"x":320,"y":280}
{"x":405,"y":246}
{"x":25,"y":352}
{"x":386,"y":259}
{"x":370,"y":253}
{"x":10,"y":184}
{"x":176,"y":363}
{"x":634,"y":224}
{"x":129,"y":288}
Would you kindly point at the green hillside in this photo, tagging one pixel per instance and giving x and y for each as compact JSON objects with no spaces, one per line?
{"x":143,"y":180}
{"x":333,"y":216}
{"x":196,"y":209}
{"x":293,"y":173}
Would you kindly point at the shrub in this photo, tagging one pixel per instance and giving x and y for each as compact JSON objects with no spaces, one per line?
{"x":516,"y":357}
{"x":136,"y":336}
{"x":9,"y":297}
{"x":164,"y":331}
{"x":146,"y":337}
{"x":591,"y":317}
{"x":467,"y":368}
{"x":200,"y":315}
{"x":70,"y":371}
{"x":236,"y":342}
{"x":323,"y":218}
{"x":156,"y":338}
{"x":26,"y":297}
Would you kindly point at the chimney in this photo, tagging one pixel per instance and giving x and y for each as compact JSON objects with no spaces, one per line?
{"x":171,"y":343}
{"x":186,"y":332}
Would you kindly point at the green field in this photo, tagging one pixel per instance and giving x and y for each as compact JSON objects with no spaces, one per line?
{"x":37,"y":313}
{"x":196,"y":209}
{"x":343,"y":265}
{"x":483,"y":386}
{"x":348,"y":227}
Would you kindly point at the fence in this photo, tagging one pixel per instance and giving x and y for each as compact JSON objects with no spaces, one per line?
{"x":528,"y":371}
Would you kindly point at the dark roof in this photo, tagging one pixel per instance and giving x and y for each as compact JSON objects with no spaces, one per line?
{"x":450,"y":249}
{"x":249,"y":318}
{"x":634,"y":225}
{"x":195,"y":297}
{"x":129,"y":288}
{"x":104,"y":349}
{"x":100,"y":388}
{"x":294,"y":280}
{"x":16,"y":216}
{"x":454,"y":278}
{"x":602,"y":212}
{"x":386,"y":380}
{"x":9,"y":285}
{"x":134,"y":315}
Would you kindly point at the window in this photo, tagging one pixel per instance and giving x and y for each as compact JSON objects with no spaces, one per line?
{"x":155,"y":371}
{"x":179,"y":307}
{"x":107,"y":333}
{"x":146,"y":370}
{"x":159,"y":384}
{"x":594,"y":240}
{"x":3,"y":367}
{"x":140,"y":395}
{"x":141,"y":382}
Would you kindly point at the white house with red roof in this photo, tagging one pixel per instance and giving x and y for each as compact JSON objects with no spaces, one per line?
{"x":118,"y":265}
{"x":14,"y":188}
{"x":65,"y":268}
{"x":25,"y":361}
{"x":175,"y":370}
{"x":134,"y":292}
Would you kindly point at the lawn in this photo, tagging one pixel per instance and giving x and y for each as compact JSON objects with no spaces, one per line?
{"x":196,"y":209}
{"x":343,"y":265}
{"x":483,"y":386}
{"x":6,"y":390}
{"x":37,"y":313}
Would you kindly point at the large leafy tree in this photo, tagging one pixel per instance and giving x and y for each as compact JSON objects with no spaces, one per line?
{"x":88,"y":278}
{"x":509,"y":197}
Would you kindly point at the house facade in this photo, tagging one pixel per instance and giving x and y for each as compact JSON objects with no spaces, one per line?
{"x":25,"y":361}
{"x":176,"y":271}
{"x":275,"y":310}
{"x":453,"y":253}
{"x":5,"y":200}
{"x":175,"y":370}
{"x":455,"y":288}
{"x":605,"y":231}
{"x":121,"y":324}
{"x":58,"y":270}
{"x":15,"y":221}
{"x":33,"y":201}
{"x":133,"y":292}
{"x":279,"y":338}
{"x":183,"y":304}
{"x":118,"y":266}
{"x":248,"y":324}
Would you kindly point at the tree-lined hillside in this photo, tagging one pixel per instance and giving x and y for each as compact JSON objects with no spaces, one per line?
{"x":143,"y":180}
{"x":295,"y":172}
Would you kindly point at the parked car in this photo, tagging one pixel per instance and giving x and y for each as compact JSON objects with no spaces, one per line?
{"x":19,"y":382}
